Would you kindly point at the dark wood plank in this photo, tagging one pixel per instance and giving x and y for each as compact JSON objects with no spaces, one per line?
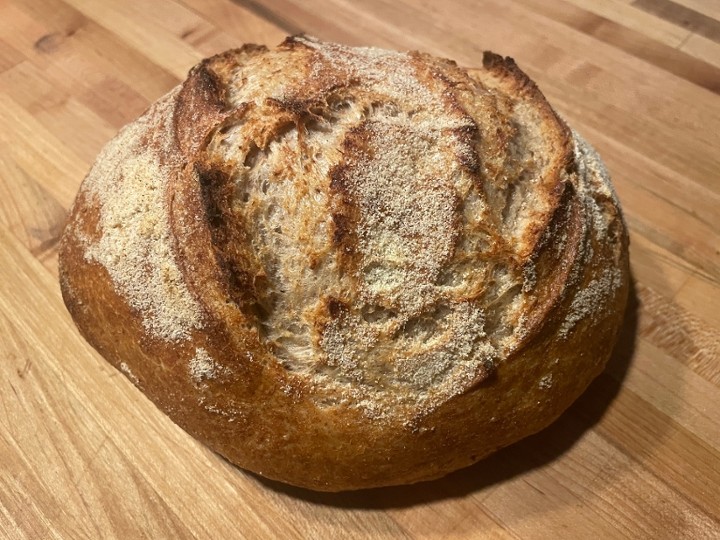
{"x":682,"y":16}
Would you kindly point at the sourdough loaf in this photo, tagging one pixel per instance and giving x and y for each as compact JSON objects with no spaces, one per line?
{"x":350,"y":267}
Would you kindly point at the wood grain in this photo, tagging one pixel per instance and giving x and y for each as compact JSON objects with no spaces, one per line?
{"x":687,"y":17}
{"x":85,"y":455}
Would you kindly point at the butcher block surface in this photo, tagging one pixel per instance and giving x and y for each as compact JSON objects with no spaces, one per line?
{"x":83,"y":454}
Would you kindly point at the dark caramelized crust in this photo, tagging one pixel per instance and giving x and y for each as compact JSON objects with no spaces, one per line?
{"x":349,"y":267}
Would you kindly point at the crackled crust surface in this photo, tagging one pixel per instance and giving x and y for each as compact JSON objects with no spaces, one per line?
{"x":349,"y":267}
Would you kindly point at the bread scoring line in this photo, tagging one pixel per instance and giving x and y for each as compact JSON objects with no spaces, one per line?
{"x":128,"y":184}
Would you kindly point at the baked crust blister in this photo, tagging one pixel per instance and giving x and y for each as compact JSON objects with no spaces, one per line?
{"x":350,"y":267}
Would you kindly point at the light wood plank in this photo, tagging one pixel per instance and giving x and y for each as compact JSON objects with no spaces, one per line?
{"x":237,"y":21}
{"x":666,"y":324}
{"x":632,"y":465}
{"x":703,"y":48}
{"x":154,"y":28}
{"x":54,"y":110}
{"x":711,"y":8}
{"x":595,"y":496}
{"x":625,"y":14}
{"x":657,"y":267}
{"x":95,"y":47}
{"x":9,"y":56}
{"x":447,"y":519}
{"x":27,"y":210}
{"x":666,"y":450}
{"x":702,"y":298}
{"x":667,"y":385}
{"x":38,"y":153}
{"x":50,"y":49}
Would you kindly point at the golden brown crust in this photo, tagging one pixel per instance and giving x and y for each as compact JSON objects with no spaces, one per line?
{"x":344,"y":268}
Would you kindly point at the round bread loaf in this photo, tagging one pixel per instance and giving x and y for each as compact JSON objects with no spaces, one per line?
{"x":350,"y":267}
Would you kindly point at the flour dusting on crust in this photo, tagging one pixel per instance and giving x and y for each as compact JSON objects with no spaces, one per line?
{"x":594,"y":188}
{"x":130,"y":375}
{"x":135,"y":247}
{"x":585,"y":303}
{"x":202,"y":366}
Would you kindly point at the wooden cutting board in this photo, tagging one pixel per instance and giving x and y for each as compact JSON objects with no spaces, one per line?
{"x":84,"y":455}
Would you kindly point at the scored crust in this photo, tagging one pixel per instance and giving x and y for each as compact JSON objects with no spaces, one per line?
{"x":349,"y":267}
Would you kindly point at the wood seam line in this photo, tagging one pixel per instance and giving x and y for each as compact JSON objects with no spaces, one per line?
{"x":684,"y":41}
